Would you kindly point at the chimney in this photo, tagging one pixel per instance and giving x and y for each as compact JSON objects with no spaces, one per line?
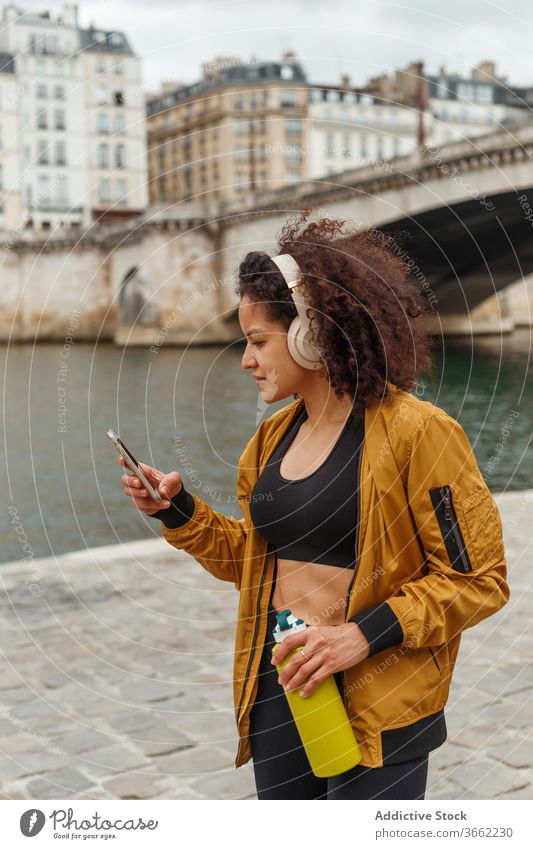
{"x":69,"y":15}
{"x":170,"y":85}
{"x":486,"y":72}
{"x":289,"y":57}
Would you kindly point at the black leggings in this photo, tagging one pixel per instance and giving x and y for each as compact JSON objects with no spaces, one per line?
{"x":281,"y":766}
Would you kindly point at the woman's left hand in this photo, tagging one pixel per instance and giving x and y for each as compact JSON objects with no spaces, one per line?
{"x":327,"y":649}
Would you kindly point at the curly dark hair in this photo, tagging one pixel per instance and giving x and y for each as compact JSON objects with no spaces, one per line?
{"x":368,"y":310}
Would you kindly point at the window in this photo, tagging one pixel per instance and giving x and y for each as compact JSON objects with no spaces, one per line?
{"x":42,"y":123}
{"x":238,"y":101}
{"x":347,"y":147}
{"x":315,"y":95}
{"x":103,"y":155}
{"x":100,"y":65}
{"x":253,"y":100}
{"x":239,"y":181}
{"x":61,"y":156}
{"x":119,"y":123}
{"x":50,"y":44}
{"x":332,"y":96}
{"x":289,"y":98}
{"x":240,"y":126}
{"x":118,"y":98}
{"x":41,"y":92}
{"x":287,"y":72}
{"x":59,"y":92}
{"x":293,"y":177}
{"x":101,"y":95}
{"x":364,"y":151}
{"x":396,"y":146}
{"x":43,"y":188}
{"x":379,"y":146}
{"x":239,"y":154}
{"x":62,"y":189}
{"x":120,"y":155}
{"x":103,"y":191}
{"x":293,"y":155}
{"x":330,"y":145}
{"x":293,"y":126}
{"x":102,"y":122}
{"x":59,"y":119}
{"x":120,"y":195}
{"x":484,"y":94}
{"x":42,"y":152}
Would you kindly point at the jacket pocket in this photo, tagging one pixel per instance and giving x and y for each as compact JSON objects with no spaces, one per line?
{"x":435,"y":661}
{"x":441,"y":498}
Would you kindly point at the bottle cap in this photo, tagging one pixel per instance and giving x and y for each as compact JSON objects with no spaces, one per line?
{"x":287,"y":624}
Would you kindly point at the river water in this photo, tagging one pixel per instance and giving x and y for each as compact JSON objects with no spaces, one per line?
{"x":194,"y":410}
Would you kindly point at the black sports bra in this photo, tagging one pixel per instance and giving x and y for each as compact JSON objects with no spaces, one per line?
{"x":312,"y":519}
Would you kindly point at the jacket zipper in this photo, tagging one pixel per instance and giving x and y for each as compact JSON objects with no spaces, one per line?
{"x":441,"y":498}
{"x":356,"y":566}
{"x":256,"y":628}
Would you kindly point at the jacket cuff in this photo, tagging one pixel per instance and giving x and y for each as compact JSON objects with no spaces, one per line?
{"x":180,"y":511}
{"x":381,"y":627}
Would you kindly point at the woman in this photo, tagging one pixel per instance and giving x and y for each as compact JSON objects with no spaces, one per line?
{"x":364,"y":513}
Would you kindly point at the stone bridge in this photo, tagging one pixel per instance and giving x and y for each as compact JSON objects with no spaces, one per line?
{"x":466,"y":211}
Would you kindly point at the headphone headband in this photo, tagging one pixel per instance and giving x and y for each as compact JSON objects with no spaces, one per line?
{"x":289,"y":268}
{"x":299,"y":336}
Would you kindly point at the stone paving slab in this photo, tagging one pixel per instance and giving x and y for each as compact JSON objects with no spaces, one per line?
{"x":116,"y":680}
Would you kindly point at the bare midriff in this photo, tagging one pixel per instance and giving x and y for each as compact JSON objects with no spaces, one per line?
{"x":314,"y":592}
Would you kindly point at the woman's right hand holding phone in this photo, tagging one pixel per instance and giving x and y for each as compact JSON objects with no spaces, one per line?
{"x":168,"y":485}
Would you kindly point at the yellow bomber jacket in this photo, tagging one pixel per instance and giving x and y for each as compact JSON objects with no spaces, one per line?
{"x":430,"y":563}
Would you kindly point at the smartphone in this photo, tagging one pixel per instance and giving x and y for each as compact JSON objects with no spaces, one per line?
{"x":132,"y":464}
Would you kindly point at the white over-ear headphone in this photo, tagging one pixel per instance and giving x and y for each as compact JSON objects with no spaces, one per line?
{"x":299,"y":335}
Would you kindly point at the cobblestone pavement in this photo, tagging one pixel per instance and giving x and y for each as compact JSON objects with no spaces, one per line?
{"x":116,"y":680}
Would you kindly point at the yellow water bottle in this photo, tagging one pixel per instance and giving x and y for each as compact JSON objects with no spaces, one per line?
{"x":321,"y":718}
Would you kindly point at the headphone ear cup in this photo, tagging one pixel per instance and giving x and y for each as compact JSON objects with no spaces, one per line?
{"x":300,"y":350}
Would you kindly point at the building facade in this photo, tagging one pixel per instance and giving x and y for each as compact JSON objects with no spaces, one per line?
{"x":79,"y":134}
{"x":349,"y":127}
{"x":241,"y":129}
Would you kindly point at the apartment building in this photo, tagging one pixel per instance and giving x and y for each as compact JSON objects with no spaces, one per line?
{"x":465,"y":107}
{"x":241,"y":128}
{"x":247,"y":127}
{"x":79,"y":131}
{"x":455,"y":107}
{"x":10,"y":201}
{"x":349,"y":127}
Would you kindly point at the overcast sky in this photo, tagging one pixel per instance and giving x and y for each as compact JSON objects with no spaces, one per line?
{"x":330,"y":37}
